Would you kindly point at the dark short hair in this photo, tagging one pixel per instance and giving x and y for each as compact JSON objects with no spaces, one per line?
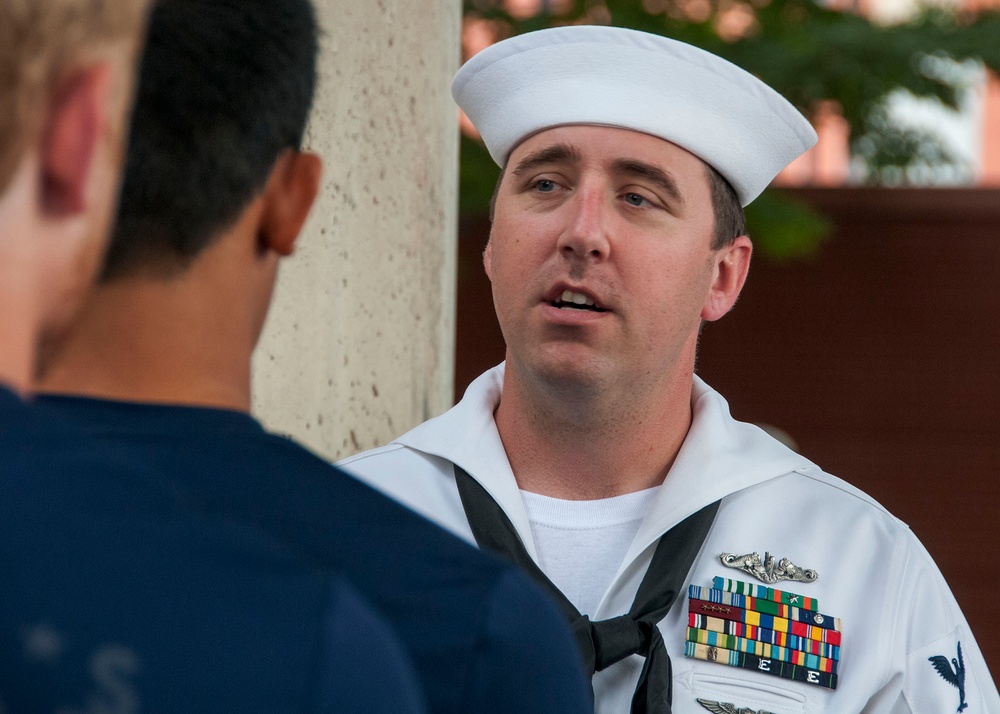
{"x":730,"y":221}
{"x":496,"y":191}
{"x":225,"y":86}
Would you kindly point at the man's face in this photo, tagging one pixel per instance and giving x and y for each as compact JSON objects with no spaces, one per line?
{"x":614,"y":219}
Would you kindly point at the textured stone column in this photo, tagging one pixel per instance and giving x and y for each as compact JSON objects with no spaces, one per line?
{"x":359,"y":345}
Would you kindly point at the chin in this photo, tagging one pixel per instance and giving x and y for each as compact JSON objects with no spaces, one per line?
{"x":572,"y":371}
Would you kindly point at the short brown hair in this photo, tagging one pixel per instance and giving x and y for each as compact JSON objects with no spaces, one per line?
{"x":39,"y":41}
{"x":730,"y":221}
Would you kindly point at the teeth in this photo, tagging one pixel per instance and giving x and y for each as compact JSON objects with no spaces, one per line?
{"x":575,"y":298}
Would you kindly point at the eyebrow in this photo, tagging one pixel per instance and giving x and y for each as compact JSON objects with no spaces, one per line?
{"x":557,"y":153}
{"x":651,"y":173}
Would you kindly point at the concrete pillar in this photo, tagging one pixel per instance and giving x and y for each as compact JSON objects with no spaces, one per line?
{"x":359,"y":344}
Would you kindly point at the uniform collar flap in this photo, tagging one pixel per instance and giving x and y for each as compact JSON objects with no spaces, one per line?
{"x":467,"y":435}
{"x":719,"y":456}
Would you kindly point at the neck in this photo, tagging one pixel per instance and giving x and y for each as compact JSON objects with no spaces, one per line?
{"x":165,"y":341}
{"x":591,"y":444}
{"x":20,"y":306}
{"x":19,"y":330}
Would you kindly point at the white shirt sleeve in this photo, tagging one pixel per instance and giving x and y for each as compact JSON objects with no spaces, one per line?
{"x":942,"y":668}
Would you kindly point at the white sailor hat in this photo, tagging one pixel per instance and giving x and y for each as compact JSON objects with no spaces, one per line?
{"x":635,"y":80}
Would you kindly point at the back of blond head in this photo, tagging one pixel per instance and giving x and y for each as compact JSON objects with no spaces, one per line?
{"x":42,"y":40}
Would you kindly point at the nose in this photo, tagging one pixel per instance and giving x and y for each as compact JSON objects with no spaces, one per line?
{"x":585,"y":235}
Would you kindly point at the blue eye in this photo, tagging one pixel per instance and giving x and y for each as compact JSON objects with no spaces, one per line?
{"x":545,"y":186}
{"x":634,"y":199}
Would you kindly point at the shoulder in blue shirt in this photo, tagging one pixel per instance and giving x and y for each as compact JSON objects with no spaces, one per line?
{"x":116,"y":597}
{"x":482,"y":637}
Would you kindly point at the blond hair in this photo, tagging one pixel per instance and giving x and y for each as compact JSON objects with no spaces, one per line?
{"x":40,"y":41}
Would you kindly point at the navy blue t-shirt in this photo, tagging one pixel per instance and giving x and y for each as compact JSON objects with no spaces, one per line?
{"x":12,"y":409}
{"x":482,"y":637}
{"x":116,"y":597}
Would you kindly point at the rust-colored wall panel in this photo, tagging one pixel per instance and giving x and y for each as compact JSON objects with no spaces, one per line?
{"x":478,"y":344}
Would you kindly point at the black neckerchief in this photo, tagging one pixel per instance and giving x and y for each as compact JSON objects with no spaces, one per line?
{"x":606,"y":642}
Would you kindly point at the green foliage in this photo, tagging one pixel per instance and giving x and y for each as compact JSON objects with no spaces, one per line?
{"x":808,"y":53}
{"x":784,"y":229}
{"x":477,"y":177}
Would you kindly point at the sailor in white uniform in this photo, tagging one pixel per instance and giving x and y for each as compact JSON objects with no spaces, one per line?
{"x":704,"y":565}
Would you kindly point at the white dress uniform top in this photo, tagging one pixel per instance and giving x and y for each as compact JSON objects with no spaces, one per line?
{"x":896,"y":610}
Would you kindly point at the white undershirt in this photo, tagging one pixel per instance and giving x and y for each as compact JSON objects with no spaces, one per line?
{"x":581,"y":544}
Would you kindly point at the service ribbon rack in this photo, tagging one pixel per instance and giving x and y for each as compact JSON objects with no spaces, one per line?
{"x":771,"y":631}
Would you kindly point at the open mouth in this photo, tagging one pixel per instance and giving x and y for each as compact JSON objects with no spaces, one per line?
{"x":570,"y":300}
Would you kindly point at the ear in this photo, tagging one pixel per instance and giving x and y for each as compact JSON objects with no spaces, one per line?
{"x":288,"y":197}
{"x":74,"y":125}
{"x":731,"y":266}
{"x":488,"y":259}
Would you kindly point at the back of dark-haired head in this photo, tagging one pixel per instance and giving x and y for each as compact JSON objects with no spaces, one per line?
{"x":225,"y":87}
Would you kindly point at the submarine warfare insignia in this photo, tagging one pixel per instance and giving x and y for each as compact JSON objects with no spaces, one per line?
{"x":771,"y":631}
{"x":722,"y":708}
{"x":955,"y":677}
{"x":768,"y":571}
